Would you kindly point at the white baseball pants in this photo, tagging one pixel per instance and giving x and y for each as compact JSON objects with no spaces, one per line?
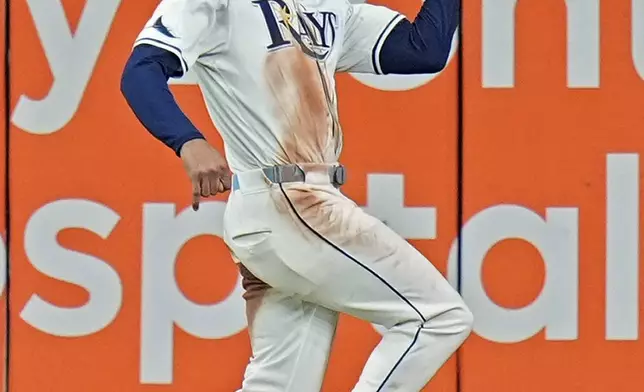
{"x":307,"y":253}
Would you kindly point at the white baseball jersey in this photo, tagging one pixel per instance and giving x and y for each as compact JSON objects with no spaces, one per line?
{"x":260,"y":66}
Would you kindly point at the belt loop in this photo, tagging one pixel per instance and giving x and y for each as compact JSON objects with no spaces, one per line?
{"x":273,"y":174}
{"x":277,"y":175}
{"x":299,"y":171}
{"x":339,"y":175}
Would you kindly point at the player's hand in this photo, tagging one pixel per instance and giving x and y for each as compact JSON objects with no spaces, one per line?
{"x":206,"y":168}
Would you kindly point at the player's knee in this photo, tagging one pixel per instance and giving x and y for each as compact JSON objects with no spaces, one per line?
{"x":467,"y":318}
{"x":464,"y":320}
{"x":458,"y":320}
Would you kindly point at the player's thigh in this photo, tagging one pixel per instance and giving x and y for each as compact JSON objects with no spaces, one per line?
{"x":249,"y":231}
{"x":389,"y":287}
{"x":291,"y":341}
{"x":361,"y":267}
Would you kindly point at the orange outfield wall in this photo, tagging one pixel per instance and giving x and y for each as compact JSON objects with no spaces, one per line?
{"x":117,"y":286}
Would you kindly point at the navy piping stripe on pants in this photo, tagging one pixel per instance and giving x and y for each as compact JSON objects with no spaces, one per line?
{"x":372,"y":272}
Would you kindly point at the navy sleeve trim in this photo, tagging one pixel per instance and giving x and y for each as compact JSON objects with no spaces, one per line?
{"x":375,"y":53}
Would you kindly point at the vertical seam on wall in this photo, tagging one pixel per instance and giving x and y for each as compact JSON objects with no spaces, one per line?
{"x":7,"y":195}
{"x":459,"y":180}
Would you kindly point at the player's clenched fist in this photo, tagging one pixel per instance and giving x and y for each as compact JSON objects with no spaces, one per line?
{"x":207,"y":169}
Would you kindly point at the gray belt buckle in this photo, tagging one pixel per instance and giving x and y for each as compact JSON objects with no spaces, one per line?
{"x":339,"y":176}
{"x":293,"y":173}
{"x":284,"y":174}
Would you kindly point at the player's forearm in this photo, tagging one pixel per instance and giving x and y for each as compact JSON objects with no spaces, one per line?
{"x":422,"y":46}
{"x":144,"y":85}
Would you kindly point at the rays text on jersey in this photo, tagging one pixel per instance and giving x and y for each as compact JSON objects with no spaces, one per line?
{"x":284,"y":23}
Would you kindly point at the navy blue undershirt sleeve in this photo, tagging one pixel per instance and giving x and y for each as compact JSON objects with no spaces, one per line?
{"x":421,"y":46}
{"x":144,"y":85}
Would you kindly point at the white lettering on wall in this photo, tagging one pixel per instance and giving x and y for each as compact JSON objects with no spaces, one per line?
{"x":622,"y":246}
{"x":71,"y":57}
{"x":498,"y":43}
{"x":385,"y":201}
{"x":638,"y":36}
{"x":555,"y":237}
{"x":94,"y":275}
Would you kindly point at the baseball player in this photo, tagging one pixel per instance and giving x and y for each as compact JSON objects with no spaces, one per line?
{"x":306,"y":252}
